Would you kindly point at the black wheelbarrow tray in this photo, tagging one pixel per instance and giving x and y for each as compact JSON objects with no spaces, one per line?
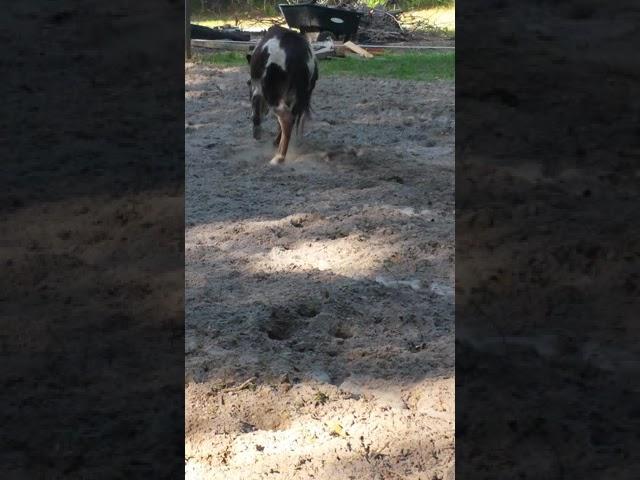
{"x":313,"y":20}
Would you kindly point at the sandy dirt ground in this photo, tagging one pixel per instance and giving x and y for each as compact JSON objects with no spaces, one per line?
{"x":319,"y":293}
{"x":547,"y":241}
{"x":92,"y":228}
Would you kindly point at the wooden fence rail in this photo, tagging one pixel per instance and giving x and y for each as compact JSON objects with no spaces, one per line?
{"x":233,"y":45}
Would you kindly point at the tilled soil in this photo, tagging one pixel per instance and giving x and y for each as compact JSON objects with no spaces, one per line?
{"x":319,"y":293}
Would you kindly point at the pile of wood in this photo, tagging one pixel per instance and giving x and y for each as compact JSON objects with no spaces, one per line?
{"x":380,"y":26}
{"x":198,"y":32}
{"x":377,"y":25}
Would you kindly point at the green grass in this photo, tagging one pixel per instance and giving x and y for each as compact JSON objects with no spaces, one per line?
{"x":425,"y":66}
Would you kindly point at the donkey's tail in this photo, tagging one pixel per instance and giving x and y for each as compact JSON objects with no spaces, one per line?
{"x":301,"y":119}
{"x":302,"y":108}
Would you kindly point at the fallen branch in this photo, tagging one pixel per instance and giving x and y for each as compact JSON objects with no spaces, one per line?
{"x":240,"y":387}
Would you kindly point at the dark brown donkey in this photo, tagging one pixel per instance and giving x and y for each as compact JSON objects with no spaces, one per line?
{"x":284,"y":72}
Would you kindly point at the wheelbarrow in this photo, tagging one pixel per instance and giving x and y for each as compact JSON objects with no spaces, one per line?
{"x":319,"y":23}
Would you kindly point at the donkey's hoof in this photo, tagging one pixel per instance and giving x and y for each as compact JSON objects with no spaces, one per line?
{"x":277,"y":160}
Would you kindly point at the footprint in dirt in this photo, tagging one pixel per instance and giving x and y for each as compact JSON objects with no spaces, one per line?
{"x":285,"y":321}
{"x":341,"y":331}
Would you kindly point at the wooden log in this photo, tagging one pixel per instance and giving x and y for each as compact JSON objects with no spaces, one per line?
{"x":375,"y":51}
{"x":222,"y":44}
{"x":357,"y":49}
{"x":409,"y":47}
{"x":198,"y":32}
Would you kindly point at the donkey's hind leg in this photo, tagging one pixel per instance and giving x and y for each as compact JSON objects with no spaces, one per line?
{"x":285,"y":118}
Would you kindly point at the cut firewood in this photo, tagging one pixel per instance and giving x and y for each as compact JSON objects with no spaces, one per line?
{"x":357,"y":49}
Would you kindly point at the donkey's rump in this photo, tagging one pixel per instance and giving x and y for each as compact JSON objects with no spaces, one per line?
{"x":284,"y":72}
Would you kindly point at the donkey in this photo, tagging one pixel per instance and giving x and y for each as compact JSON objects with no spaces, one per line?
{"x":284,"y":71}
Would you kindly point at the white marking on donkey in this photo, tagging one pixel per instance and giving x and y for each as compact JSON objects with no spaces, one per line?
{"x":284,"y":72}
